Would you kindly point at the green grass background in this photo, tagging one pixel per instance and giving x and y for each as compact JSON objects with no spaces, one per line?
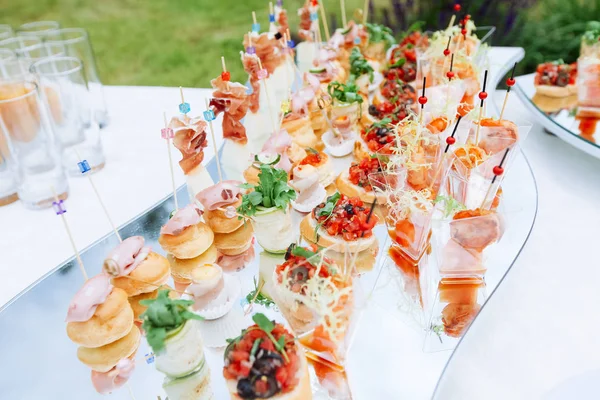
{"x":160,"y":42}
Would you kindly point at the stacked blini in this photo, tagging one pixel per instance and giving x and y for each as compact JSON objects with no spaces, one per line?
{"x":100,"y":321}
{"x":189,"y":243}
{"x":233,"y":237}
{"x":136,"y":270}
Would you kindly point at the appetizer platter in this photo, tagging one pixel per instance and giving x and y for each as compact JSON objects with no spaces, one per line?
{"x":356,"y":214}
{"x":564,"y":98}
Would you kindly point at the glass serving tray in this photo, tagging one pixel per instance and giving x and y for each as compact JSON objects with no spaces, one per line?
{"x":385,"y":361}
{"x":557,"y":115}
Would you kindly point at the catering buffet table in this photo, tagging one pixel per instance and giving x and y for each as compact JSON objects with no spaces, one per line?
{"x":136,"y":177}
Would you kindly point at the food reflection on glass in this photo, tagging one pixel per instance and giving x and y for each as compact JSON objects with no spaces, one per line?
{"x":316,"y":296}
{"x":458,"y":303}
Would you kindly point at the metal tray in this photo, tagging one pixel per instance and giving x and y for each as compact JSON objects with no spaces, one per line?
{"x":386,"y":359}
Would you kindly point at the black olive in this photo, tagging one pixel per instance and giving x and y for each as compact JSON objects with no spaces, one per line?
{"x":245,"y":389}
{"x":299,"y":273}
{"x":266,"y":363}
{"x":563,"y":79}
{"x":382,"y":131}
{"x":272,"y":386}
{"x":349,"y":209}
{"x":409,"y":88}
{"x":278,"y":36}
{"x":373,"y":110}
{"x":289,"y":250}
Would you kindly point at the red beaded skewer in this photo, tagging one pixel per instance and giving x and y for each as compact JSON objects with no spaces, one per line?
{"x":225,"y":75}
{"x":450,"y":73}
{"x":498,"y":171}
{"x":422,"y":101}
{"x":447,"y":49}
{"x":482,"y":97}
{"x":510,"y":82}
{"x":450,"y":140}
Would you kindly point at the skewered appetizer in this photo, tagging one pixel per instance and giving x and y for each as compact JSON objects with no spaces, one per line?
{"x":297,"y":122}
{"x":381,"y":38}
{"x":266,"y":362}
{"x":213,"y":292}
{"x":268,"y":207}
{"x":311,"y":192}
{"x":220,"y":202}
{"x":173,"y":334}
{"x":100,"y":320}
{"x":342,"y":223}
{"x":495,"y":135}
{"x":135,"y":268}
{"x":376,"y":138}
{"x":320,"y":161}
{"x":556,"y":79}
{"x":461,"y":298}
{"x":344,"y":116}
{"x":190,"y":139}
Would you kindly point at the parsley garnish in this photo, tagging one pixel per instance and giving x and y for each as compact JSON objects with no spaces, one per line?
{"x":399,"y":63}
{"x":451,"y":205}
{"x":359,"y":66}
{"x":267,"y":326}
{"x":163,"y":315}
{"x":344,"y":93}
{"x":326,"y":211}
{"x":271,"y":191}
{"x":380,"y":33}
{"x":257,"y":297}
{"x":592,"y":35}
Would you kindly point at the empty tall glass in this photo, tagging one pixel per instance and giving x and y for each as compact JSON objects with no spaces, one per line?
{"x":29,"y":47}
{"x":75,"y":42}
{"x":6,"y":31}
{"x":27,"y":145}
{"x":39,"y":28}
{"x":65,"y":91}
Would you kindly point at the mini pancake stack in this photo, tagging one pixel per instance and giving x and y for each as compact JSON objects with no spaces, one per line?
{"x":189,"y":243}
{"x":233,"y":237}
{"x":100,"y":321}
{"x":136,"y":270}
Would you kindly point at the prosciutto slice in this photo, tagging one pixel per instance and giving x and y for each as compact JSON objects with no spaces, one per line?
{"x":190,"y":140}
{"x":220,"y":195}
{"x":230,"y":98}
{"x":187,"y":216}
{"x":124,"y":258}
{"x":93,"y":293}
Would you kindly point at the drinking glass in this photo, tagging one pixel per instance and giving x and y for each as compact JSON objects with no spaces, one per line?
{"x":65,"y":92}
{"x":38,"y":29}
{"x":27,"y":145}
{"x":6,"y":31}
{"x":29,"y":47}
{"x":75,"y":42}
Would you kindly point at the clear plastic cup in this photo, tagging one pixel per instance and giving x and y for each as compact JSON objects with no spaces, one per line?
{"x":38,"y":29}
{"x":6,"y":31}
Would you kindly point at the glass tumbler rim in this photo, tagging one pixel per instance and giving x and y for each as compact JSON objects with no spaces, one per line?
{"x":82,"y":32}
{"x":30,"y":93}
{"x":20,"y":39}
{"x":26,"y":28}
{"x":7,"y":55}
{"x":77,"y":67}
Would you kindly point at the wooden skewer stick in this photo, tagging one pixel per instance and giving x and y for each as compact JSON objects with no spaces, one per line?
{"x":343,"y":7}
{"x":452,"y":21}
{"x":271,"y":11}
{"x":130,"y":391}
{"x":66,"y":225}
{"x":366,"y":11}
{"x":494,"y":179}
{"x":254,"y":17}
{"x":181,"y":94}
{"x":261,"y":284}
{"x":509,"y":86}
{"x":481,"y":108}
{"x":110,"y":221}
{"x":264,"y":81}
{"x":223,"y":64}
{"x":168,"y":140}
{"x":212,"y":135}
{"x":324,"y":17}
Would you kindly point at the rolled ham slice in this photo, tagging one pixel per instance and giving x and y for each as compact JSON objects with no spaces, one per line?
{"x":126,"y":256}
{"x":220,"y":195}
{"x":93,"y":293}
{"x":190,"y":140}
{"x":106,"y":382}
{"x":187,"y":216}
{"x":230,"y":98}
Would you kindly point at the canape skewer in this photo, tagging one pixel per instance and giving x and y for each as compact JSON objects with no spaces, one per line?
{"x":167,"y":138}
